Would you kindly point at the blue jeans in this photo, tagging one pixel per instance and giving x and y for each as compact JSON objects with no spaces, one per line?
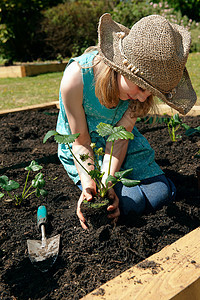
{"x":153,"y":192}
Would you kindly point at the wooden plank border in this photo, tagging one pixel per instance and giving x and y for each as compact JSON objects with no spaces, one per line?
{"x":31,"y":69}
{"x":172,"y":273}
{"x":31,"y":107}
{"x":162,"y":108}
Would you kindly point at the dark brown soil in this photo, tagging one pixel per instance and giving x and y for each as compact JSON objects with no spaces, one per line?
{"x":86,"y":259}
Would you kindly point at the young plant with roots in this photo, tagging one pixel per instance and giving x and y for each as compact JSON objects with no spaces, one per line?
{"x":114,"y":134}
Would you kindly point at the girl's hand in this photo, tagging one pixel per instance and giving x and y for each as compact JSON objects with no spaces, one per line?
{"x":113,"y":209}
{"x":87,"y":194}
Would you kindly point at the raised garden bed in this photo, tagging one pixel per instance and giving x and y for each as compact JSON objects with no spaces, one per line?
{"x":86,"y":259}
{"x":31,"y":69}
{"x":172,"y":273}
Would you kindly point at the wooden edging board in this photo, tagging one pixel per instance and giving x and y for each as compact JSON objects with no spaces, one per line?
{"x":162,"y":108}
{"x":31,"y":107}
{"x":172,"y":273}
{"x":31,"y":69}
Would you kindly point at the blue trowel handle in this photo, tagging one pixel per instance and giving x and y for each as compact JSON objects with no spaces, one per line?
{"x":41,"y":216}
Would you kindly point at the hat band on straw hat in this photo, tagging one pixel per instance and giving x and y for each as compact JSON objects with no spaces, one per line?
{"x":130,"y":66}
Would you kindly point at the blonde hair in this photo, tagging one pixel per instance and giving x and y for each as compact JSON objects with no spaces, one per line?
{"x":107,"y":91}
{"x":106,"y":86}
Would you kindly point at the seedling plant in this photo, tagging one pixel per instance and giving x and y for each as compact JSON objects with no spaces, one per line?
{"x":114,"y":134}
{"x":173,"y":124}
{"x":36,"y":185}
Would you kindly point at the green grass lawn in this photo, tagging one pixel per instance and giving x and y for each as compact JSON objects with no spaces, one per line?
{"x":193,"y":66}
{"x":18,"y":92}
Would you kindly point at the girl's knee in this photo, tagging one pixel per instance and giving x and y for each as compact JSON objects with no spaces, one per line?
{"x":159,"y":193}
{"x":130,"y":199}
{"x":153,"y":193}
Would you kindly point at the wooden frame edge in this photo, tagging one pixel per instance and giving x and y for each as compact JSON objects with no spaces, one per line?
{"x":31,"y":107}
{"x":31,"y":69}
{"x":172,"y":273}
{"x":163,"y":108}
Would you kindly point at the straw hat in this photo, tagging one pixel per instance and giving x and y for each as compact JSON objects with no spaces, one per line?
{"x":152,"y":54}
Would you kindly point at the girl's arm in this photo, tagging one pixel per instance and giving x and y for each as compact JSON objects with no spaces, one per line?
{"x":72,"y":96}
{"x":120,"y":146}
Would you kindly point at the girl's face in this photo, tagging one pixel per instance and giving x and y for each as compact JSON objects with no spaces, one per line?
{"x":129,"y":90}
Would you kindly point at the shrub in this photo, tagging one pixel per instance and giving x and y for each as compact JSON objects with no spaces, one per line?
{"x":128,"y":13}
{"x":71,"y":27}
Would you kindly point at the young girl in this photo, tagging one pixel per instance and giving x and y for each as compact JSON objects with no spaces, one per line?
{"x":115,"y":83}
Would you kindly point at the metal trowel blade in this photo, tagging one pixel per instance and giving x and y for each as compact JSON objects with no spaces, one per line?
{"x":43,"y":256}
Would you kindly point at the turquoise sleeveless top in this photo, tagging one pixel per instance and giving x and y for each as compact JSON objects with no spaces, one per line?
{"x":140,"y":156}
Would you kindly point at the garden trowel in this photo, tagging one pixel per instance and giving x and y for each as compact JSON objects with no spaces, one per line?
{"x":43,"y":253}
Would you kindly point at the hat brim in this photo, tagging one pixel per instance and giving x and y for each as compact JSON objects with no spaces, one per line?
{"x":182,"y":100}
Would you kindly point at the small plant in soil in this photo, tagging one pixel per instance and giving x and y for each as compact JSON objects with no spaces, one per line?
{"x":36,"y":186}
{"x":114,"y":134}
{"x":173,"y":124}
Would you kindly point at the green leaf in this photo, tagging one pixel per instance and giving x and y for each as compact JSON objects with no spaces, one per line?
{"x":175,"y":120}
{"x":33,"y":166}
{"x":38,"y":181}
{"x":3,"y":180}
{"x":123,"y":174}
{"x":120,"y":133}
{"x":12,"y":185}
{"x":1,"y":195}
{"x":138,"y":119}
{"x":65,"y":138}
{"x":43,"y":192}
{"x":111,"y":178}
{"x":104,"y":129}
{"x":7,"y":184}
{"x":185,"y":126}
{"x":166,"y":120}
{"x":129,"y":182}
{"x":191,"y":131}
{"x":49,"y":134}
{"x":95,"y":174}
{"x":114,"y":133}
{"x":37,"y":192}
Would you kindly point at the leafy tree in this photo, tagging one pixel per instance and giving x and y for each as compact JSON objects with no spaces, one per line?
{"x":18,"y":26}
